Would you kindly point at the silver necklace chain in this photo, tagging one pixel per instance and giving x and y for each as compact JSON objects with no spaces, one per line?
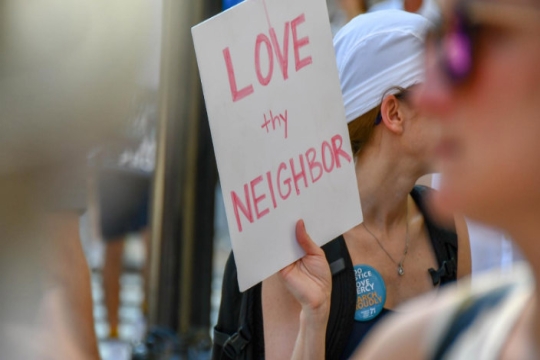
{"x":400,"y":269}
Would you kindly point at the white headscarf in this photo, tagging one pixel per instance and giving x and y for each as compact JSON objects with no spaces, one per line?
{"x":378,"y":51}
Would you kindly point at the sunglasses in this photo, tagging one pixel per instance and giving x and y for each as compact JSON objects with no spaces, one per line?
{"x":455,"y":38}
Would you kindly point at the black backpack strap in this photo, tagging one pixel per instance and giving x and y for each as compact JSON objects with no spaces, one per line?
{"x":233,"y":331}
{"x":444,"y":240}
{"x":233,"y":345}
{"x":220,"y":338}
{"x":334,"y":255}
{"x":343,"y":298}
{"x":238,"y":333}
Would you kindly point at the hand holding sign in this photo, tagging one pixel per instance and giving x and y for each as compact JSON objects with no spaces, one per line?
{"x":277,"y":120}
{"x":309,"y":279}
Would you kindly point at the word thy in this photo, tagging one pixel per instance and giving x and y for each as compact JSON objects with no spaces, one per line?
{"x":275,"y":119}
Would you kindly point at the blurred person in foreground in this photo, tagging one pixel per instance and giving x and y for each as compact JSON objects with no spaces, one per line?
{"x":483,"y":86}
{"x":68,"y":71}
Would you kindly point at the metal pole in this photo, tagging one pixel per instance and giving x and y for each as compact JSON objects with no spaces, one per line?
{"x":184,"y":184}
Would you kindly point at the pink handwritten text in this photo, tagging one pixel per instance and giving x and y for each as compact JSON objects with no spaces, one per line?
{"x":267,"y":191}
{"x":269,"y":47}
{"x":275,"y":121}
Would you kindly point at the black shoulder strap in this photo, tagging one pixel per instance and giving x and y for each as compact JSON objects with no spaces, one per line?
{"x":334,"y":255}
{"x":444,"y":240}
{"x":237,"y":324}
{"x":343,"y":298}
{"x":233,"y":345}
{"x":233,"y":331}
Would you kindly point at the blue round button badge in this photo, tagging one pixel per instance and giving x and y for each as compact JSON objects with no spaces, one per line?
{"x":370,"y":293}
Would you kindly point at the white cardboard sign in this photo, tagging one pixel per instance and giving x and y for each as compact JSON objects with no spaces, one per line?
{"x":277,"y":120}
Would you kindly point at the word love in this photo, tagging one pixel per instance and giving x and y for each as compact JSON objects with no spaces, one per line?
{"x":275,"y":120}
{"x":263,"y":192}
{"x":268,"y":46}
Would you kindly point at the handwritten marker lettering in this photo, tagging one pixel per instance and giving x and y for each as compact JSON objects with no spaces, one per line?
{"x":269,"y":46}
{"x":236,"y":95}
{"x":275,"y":121}
{"x":298,"y":43}
{"x":263,"y":80}
{"x":282,"y":56}
{"x":297,"y":173}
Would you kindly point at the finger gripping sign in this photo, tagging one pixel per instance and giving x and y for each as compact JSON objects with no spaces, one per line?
{"x":276,"y":115}
{"x":370,"y":293}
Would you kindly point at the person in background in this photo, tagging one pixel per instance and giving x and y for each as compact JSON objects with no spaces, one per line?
{"x":124,"y":200}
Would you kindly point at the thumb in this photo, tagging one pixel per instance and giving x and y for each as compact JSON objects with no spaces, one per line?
{"x":304,"y":240}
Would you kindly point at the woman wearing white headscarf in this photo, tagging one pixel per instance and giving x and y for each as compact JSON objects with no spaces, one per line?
{"x":379,"y":58}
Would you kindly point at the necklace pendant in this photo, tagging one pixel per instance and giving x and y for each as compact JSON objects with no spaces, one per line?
{"x":400,"y":270}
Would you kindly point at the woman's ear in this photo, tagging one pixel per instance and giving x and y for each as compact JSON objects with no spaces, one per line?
{"x":392,"y":114}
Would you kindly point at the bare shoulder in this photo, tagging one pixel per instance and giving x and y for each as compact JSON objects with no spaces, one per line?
{"x":414,"y":328}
